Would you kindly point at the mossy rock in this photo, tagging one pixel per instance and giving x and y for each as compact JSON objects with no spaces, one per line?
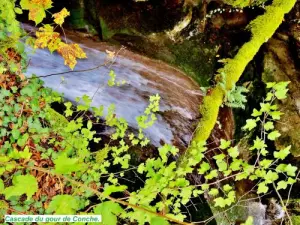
{"x":108,"y":32}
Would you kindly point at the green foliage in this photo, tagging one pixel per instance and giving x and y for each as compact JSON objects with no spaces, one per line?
{"x":40,"y":145}
{"x":63,"y":205}
{"x":22,"y":184}
{"x":109,"y":212}
{"x":235,"y":98}
{"x":229,"y":75}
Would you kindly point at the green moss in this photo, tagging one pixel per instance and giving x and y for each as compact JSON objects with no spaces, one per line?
{"x":243,"y":3}
{"x":107,"y":33}
{"x":296,"y":220}
{"x":77,"y":18}
{"x":209,"y":111}
{"x":195,"y":59}
{"x":56,"y":119}
{"x":262,"y":28}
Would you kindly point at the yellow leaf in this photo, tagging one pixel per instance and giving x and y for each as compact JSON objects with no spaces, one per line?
{"x":46,"y":37}
{"x":45,"y":4}
{"x":70,"y":52}
{"x":59,"y":18}
{"x":36,"y":15}
{"x":36,"y":8}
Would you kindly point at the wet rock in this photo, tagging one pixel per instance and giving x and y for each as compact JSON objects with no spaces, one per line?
{"x":280,"y":66}
{"x":180,"y":96}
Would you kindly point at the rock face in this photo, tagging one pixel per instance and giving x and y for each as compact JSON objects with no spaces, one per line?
{"x":282,"y":63}
{"x":180,"y":96}
{"x":130,"y":16}
{"x":280,"y":66}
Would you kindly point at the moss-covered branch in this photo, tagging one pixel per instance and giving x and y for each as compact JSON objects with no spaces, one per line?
{"x":262,"y":28}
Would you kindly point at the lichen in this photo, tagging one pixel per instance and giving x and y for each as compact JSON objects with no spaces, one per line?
{"x":211,"y":104}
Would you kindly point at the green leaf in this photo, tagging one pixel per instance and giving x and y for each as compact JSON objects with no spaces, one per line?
{"x":18,"y":10}
{"x":227,"y":188}
{"x":250,"y":124}
{"x":291,"y":170}
{"x":236,"y":164}
{"x":213,"y":192}
{"x":212,"y":174}
{"x":112,"y":189}
{"x":281,"y":168}
{"x":282,"y":185}
{"x":281,"y":94}
{"x":25,"y":4}
{"x":39,"y":15}
{"x":220,"y":202}
{"x":291,"y":181}
{"x":269,"y":126}
{"x":265,"y":107}
{"x":224,"y":144}
{"x":158,"y":221}
{"x":262,"y":188}
{"x":271,"y":84}
{"x":222,"y":165}
{"x":204,"y":167}
{"x":256,"y":113}
{"x":22,"y":184}
{"x":109,"y":212}
{"x":89,"y":125}
{"x":15,"y":133}
{"x":98,"y":111}
{"x":65,"y":165}
{"x":233,"y":152}
{"x":269,"y":97}
{"x":282,"y":154}
{"x":23,"y":140}
{"x":265,"y":163}
{"x":25,"y":154}
{"x":258,"y":144}
{"x":63,"y":205}
{"x":276,"y":115}
{"x":271,"y":176}
{"x":273,"y":135}
{"x":219,"y":157}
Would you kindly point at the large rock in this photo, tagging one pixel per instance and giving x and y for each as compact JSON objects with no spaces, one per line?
{"x":280,"y":66}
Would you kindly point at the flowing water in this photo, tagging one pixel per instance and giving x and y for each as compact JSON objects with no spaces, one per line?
{"x":180,"y":96}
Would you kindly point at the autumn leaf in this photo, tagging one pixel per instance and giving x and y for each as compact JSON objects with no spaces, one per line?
{"x":70,"y":52}
{"x":59,"y":18}
{"x":45,"y":4}
{"x":37,"y":15}
{"x":46,"y":37}
{"x":36,"y":9}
